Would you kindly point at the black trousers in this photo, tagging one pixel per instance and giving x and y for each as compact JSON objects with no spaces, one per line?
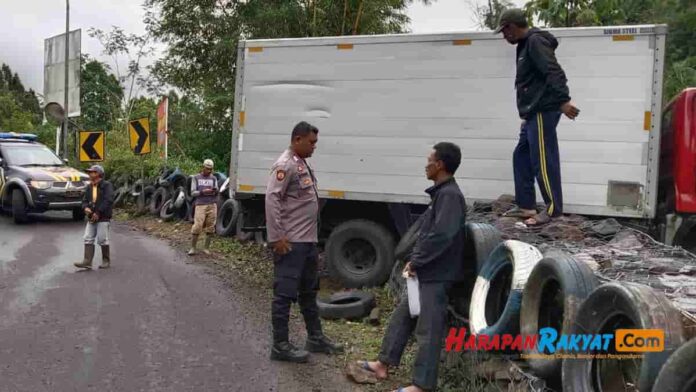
{"x":295,"y":279}
{"x":429,"y":328}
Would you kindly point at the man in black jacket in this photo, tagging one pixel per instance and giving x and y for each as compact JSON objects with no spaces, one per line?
{"x":97,"y":204}
{"x":437,"y":262}
{"x":542,"y":95}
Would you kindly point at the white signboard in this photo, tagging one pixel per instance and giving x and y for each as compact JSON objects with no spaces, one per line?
{"x":54,"y":71}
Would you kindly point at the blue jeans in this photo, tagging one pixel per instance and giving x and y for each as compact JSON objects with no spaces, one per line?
{"x":98,"y":232}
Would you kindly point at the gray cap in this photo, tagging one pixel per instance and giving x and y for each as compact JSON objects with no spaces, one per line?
{"x":511,"y":16}
{"x":97,"y":169}
{"x":208,"y":164}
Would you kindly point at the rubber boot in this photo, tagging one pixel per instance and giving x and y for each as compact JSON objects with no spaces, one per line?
{"x":106,"y":257}
{"x":284,"y":351}
{"x":206,"y":244}
{"x":87,"y":260}
{"x":322,"y":344}
{"x":194,"y":241}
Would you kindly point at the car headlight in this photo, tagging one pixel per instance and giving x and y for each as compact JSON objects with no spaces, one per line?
{"x":41,"y":184}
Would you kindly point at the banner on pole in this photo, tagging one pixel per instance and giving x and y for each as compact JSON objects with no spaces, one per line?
{"x":162,"y":136}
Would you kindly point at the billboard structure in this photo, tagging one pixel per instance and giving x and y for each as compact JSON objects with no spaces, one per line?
{"x":54,"y":71}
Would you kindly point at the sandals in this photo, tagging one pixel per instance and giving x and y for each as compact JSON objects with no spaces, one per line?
{"x":517,"y":212}
{"x":538,"y":220}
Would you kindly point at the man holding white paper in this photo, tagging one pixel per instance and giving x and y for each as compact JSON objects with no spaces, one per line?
{"x":437,"y":263}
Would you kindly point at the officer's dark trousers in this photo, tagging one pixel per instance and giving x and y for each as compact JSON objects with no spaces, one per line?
{"x":295,"y":278}
{"x":429,"y":328}
{"x":536,"y":156}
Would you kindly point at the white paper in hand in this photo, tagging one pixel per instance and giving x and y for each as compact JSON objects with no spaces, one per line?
{"x":413,"y":296}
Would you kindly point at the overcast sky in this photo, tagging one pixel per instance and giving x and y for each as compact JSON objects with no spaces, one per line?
{"x":29,"y":22}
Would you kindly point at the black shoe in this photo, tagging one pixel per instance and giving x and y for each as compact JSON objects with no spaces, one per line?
{"x":322,"y":344}
{"x":285,"y":351}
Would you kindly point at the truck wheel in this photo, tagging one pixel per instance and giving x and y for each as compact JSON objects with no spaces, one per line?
{"x":19,"y":206}
{"x":158,"y":199}
{"x":226,"y":224}
{"x":360,"y":253}
{"x":679,"y":372}
{"x":497,"y":294}
{"x":615,"y":306}
{"x":350,"y":305}
{"x":78,"y":214}
{"x":552,"y":295}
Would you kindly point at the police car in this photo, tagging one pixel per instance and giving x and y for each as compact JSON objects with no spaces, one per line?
{"x":34,"y":180}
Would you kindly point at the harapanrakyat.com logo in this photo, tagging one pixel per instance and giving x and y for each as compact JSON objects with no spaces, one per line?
{"x":549,"y":344}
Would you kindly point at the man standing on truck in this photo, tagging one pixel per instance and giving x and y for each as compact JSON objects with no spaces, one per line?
{"x":204,"y":190}
{"x":542,"y":95}
{"x":292,"y":214}
{"x":437,"y":262}
{"x":98,"y":205}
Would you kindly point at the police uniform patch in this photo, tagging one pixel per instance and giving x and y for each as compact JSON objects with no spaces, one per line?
{"x":280,"y":175}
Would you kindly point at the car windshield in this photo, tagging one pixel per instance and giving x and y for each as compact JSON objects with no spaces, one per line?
{"x":32,"y":155}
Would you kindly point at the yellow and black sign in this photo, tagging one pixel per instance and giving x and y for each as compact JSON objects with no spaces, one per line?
{"x":139,"y":131}
{"x":92,"y":146}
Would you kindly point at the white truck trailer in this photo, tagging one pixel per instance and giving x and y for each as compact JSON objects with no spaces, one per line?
{"x":382,"y":102}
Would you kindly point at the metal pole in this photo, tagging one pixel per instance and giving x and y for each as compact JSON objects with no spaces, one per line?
{"x":67,"y":72}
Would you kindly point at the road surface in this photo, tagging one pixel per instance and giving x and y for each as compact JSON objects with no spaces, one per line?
{"x":153,"y":322}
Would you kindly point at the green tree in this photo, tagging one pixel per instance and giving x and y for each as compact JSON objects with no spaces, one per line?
{"x":487,"y":15}
{"x":100,"y":95}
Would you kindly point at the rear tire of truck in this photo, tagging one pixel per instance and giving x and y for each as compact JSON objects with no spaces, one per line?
{"x":19,"y":207}
{"x":360,"y":253}
{"x":78,"y":214}
{"x":226,"y":224}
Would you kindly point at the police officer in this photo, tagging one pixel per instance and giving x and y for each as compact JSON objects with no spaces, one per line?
{"x":292,"y":208}
{"x":542,"y":95}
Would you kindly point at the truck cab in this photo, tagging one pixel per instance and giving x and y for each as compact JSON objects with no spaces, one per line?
{"x":34,"y":180}
{"x":677,"y":191}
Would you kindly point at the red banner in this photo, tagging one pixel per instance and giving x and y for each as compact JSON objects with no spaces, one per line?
{"x":162,"y":112}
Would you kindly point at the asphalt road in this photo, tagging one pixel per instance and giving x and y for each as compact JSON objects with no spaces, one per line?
{"x":153,"y":322}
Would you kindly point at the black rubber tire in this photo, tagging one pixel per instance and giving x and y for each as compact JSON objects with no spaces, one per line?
{"x":622,"y":305}
{"x":120,"y":196}
{"x":679,"y":372}
{"x":226,"y":223}
{"x":397,"y":283}
{"x":19,"y":207}
{"x":167,"y":212}
{"x":160,"y":196}
{"x":178,"y":180}
{"x":372,"y":238}
{"x":137,"y":188}
{"x":481,"y":239}
{"x":238,"y":233}
{"x":552,"y":296}
{"x":408,"y":240}
{"x":349,"y":305}
{"x":175,"y":196}
{"x":142,"y":202}
{"x":497,"y":294}
{"x":78,"y":214}
{"x":187,"y":188}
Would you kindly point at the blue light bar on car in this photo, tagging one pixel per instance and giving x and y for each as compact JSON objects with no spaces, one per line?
{"x":22,"y":136}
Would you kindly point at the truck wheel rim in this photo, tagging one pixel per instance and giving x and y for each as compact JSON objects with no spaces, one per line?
{"x":360,"y":256}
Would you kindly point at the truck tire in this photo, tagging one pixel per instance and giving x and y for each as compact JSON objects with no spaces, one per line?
{"x":120,"y":196}
{"x":187,"y":188}
{"x":78,"y":214}
{"x":158,"y":199}
{"x":19,"y":207}
{"x":226,"y":224}
{"x":679,"y":372}
{"x":497,"y":294}
{"x":481,"y":239}
{"x":349,"y":305}
{"x":552,"y":295}
{"x":142,"y":202}
{"x":618,"y":306}
{"x":179,"y":197}
{"x":408,"y":240}
{"x":360,"y":253}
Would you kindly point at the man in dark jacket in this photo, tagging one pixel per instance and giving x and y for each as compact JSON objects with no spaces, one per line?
{"x":437,"y":262}
{"x":542,"y":95}
{"x":98,"y":204}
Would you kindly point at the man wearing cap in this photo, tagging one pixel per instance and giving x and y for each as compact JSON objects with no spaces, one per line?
{"x":542,"y":95}
{"x":98,"y":204}
{"x":204,"y":189}
{"x":292,"y":212}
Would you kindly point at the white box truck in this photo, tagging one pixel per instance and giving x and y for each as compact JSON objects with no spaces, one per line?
{"x":382,"y":102}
